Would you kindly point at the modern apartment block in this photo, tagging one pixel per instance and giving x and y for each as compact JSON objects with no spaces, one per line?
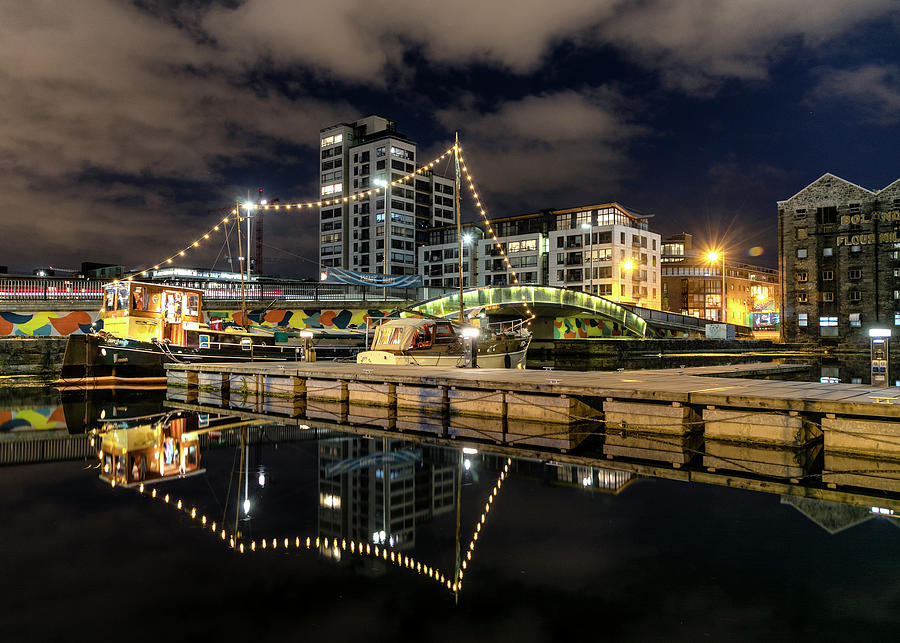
{"x":362,"y":156}
{"x":439,"y":258}
{"x":692,"y":285}
{"x":604,"y":249}
{"x":839,"y":258}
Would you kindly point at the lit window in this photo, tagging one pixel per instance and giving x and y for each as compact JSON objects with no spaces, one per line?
{"x":827,"y":252}
{"x":855,"y":319}
{"x":802,"y":319}
{"x":801,"y":253}
{"x":828,"y":321}
{"x":897,"y":319}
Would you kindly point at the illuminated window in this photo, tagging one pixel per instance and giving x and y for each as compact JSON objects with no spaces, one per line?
{"x":334,"y":188}
{"x":801,"y":253}
{"x":855,"y":319}
{"x":802,"y":319}
{"x":828,"y":321}
{"x":332,"y":140}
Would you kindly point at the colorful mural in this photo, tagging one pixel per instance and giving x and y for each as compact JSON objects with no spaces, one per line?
{"x":48,"y":323}
{"x":585,"y":327}
{"x":54,"y":324}
{"x":39,"y":418}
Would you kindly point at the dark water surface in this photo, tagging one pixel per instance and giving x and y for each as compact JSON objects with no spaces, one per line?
{"x":563,"y":551}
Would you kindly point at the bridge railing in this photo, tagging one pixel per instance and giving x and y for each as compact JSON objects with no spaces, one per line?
{"x":91,"y":290}
{"x":676,"y":319}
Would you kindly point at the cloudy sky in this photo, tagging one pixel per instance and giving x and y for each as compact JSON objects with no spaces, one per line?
{"x":124,"y":124}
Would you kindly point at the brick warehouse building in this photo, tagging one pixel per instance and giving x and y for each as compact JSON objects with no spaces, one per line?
{"x":839,"y":259}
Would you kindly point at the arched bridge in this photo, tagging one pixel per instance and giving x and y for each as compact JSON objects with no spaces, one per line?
{"x":537,"y":297}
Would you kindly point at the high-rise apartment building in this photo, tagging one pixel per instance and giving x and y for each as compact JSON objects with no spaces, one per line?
{"x":359,"y":157}
{"x":839,"y":257}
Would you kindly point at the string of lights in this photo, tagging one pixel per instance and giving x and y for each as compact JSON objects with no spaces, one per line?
{"x":290,"y":206}
{"x":490,"y":228}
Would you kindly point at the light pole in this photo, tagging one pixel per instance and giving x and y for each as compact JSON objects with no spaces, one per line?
{"x":625,"y":265}
{"x":588,"y":227}
{"x":712,"y":257}
{"x":387,"y":228}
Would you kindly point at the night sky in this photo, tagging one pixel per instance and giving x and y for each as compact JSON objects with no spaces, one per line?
{"x":124,"y":124}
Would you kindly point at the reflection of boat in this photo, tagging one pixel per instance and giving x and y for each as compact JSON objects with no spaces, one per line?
{"x":149,"y":453}
{"x":437,"y":342}
{"x":147,"y":325}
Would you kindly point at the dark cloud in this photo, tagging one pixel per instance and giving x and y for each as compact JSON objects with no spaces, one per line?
{"x":135,"y":119}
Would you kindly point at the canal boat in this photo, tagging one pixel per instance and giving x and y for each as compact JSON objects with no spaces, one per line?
{"x":148,"y":325}
{"x":439,"y":342}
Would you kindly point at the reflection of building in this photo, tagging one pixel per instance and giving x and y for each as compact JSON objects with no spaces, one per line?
{"x":362,"y":156}
{"x":377,"y":489}
{"x":605,"y":249}
{"x":692,"y":285}
{"x":833,"y":517}
{"x":839,"y":252}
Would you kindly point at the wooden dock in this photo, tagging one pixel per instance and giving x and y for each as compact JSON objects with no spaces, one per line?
{"x":714,"y":417}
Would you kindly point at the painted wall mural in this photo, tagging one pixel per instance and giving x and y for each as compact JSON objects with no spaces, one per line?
{"x":61,"y":324}
{"x":48,"y":323}
{"x":585,"y":327}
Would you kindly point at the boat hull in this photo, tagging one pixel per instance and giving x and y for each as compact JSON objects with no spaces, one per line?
{"x":97,"y":359}
{"x":508,"y":353}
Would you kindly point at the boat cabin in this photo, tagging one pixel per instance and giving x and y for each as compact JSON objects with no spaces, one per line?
{"x":146,"y":311}
{"x":415,"y":334}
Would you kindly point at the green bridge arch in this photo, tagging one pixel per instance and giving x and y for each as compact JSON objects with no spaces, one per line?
{"x":509,"y":296}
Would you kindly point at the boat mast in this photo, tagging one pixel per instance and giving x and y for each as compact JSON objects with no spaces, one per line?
{"x":241,"y":266}
{"x":458,"y":227}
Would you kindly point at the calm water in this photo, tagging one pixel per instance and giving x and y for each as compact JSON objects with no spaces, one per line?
{"x":562,"y":551}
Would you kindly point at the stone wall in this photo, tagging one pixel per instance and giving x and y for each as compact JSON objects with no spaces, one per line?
{"x":851,"y":240}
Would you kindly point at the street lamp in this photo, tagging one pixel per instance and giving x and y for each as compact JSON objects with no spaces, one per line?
{"x":587,"y":226}
{"x":625,"y":265}
{"x":387,"y":227}
{"x":712,"y":257}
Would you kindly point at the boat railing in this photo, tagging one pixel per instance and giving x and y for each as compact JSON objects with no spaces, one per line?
{"x":26,"y":288}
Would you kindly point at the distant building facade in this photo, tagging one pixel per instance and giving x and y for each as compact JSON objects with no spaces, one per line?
{"x":365,"y":155}
{"x":439,"y":263}
{"x":839,"y":258}
{"x":605,"y":249}
{"x":692,"y":285}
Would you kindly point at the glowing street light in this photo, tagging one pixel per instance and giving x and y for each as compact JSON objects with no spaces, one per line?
{"x":712,"y":256}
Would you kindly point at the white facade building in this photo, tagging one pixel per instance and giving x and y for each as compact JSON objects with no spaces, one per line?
{"x":362,"y":156}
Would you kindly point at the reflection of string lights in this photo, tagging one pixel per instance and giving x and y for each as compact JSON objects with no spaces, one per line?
{"x":292,"y":206}
{"x":462,"y":565}
{"x":490,"y":228}
{"x":331,"y":548}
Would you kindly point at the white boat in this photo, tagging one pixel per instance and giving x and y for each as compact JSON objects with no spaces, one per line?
{"x":437,"y":342}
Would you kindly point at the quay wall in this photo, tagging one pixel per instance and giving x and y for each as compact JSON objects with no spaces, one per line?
{"x":63,"y":320}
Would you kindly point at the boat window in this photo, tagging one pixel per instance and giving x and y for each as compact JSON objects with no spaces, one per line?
{"x":109,"y":299}
{"x":155,"y":300}
{"x":424,"y":337}
{"x":173,"y":307}
{"x":139,"y":298}
{"x":444,"y":334}
{"x":394,"y":337}
{"x":192,"y":305}
{"x":122,"y":297}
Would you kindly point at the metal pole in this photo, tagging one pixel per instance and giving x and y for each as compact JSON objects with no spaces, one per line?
{"x":387,"y":229}
{"x":723,"y":289}
{"x":241,"y":266}
{"x":591,"y":257}
{"x":458,"y":226}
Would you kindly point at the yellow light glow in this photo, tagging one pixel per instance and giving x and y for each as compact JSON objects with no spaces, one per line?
{"x":713,"y":256}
